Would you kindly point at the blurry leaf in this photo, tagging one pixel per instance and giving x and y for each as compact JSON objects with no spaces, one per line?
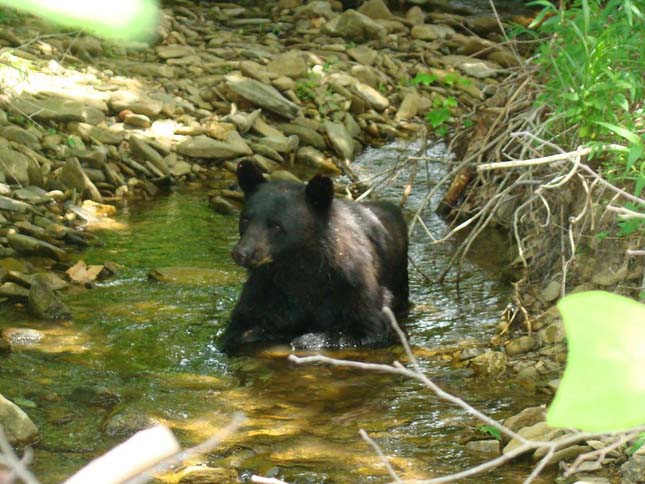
{"x":638,"y":443}
{"x":437,"y":117}
{"x":25,"y":403}
{"x":620,"y":131}
{"x":423,"y":78}
{"x":118,"y":19}
{"x":603,"y":386}
{"x":490,"y":430}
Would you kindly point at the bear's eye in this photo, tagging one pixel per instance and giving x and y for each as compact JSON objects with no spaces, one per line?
{"x":275,"y":226}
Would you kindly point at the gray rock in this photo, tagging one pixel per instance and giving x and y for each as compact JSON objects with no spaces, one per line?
{"x":128,"y":422}
{"x":340,"y":139}
{"x":316,"y":160}
{"x":104,"y":135}
{"x":375,"y":9}
{"x":291,"y":64}
{"x":142,"y":151}
{"x":174,"y":50}
{"x":489,"y":448}
{"x":489,"y":363}
{"x":20,"y":135}
{"x":552,"y":291}
{"x":13,"y":291}
{"x":315,"y":9}
{"x":44,"y":303}
{"x":553,"y":333}
{"x":57,"y":109}
{"x":223,"y":206}
{"x":363,"y":55}
{"x":205,"y":147}
{"x":262,"y":95}
{"x":415,"y":15}
{"x":181,"y":168}
{"x":540,"y":431}
{"x":281,"y":144}
{"x":26,"y":245}
{"x":355,"y":26}
{"x":409,"y":106}
{"x":15,"y":166}
{"x":523,"y":344}
{"x":371,"y":96}
{"x":150,"y":69}
{"x":33,"y":195}
{"x":137,"y":120}
{"x":432,"y":32}
{"x":307,"y":136}
{"x":17,"y":426}
{"x":478,"y":68}
{"x":11,"y":205}
{"x":633,"y":471}
{"x":73,"y":176}
{"x":134,"y":101}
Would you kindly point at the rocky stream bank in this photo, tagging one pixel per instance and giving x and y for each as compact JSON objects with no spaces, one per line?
{"x":87,"y":126}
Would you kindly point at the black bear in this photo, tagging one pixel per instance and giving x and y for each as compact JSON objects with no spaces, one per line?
{"x":320,"y":269}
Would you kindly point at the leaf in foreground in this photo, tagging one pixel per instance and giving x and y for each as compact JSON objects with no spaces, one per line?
{"x":603,"y":386}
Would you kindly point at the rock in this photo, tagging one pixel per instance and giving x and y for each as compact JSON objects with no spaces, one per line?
{"x":340,"y":139}
{"x":26,"y":245}
{"x":137,"y":120}
{"x":150,"y":69}
{"x":136,"y":102}
{"x":315,"y":9}
{"x":20,"y":135}
{"x":552,"y":291}
{"x":523,"y":344}
{"x":291,"y":64}
{"x":415,"y":15}
{"x":284,"y":175}
{"x":205,"y":147}
{"x":14,"y":166}
{"x":305,"y":135}
{"x":371,"y":96}
{"x":11,"y":205}
{"x":281,"y":144}
{"x":363,"y":55}
{"x":174,"y":50}
{"x":104,"y":135}
{"x":208,"y":475}
{"x":56,"y":109}
{"x":316,"y":160}
{"x":262,"y":95}
{"x":375,"y":9}
{"x":409,"y":106}
{"x":553,"y":333}
{"x":143,"y":151}
{"x":489,"y":363}
{"x":13,"y":291}
{"x":633,"y":471}
{"x":431,"y":32}
{"x":527,"y":417}
{"x":478,"y":68}
{"x":489,"y":448}
{"x":44,"y":303}
{"x":181,"y":168}
{"x":223,"y":206}
{"x":17,"y":426}
{"x":129,"y":422}
{"x":242,"y":121}
{"x":81,"y":273}
{"x":540,"y":431}
{"x":355,"y":26}
{"x":73,"y":176}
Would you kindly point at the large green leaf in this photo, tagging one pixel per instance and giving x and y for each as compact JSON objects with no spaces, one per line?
{"x":118,"y":19}
{"x":603,"y":386}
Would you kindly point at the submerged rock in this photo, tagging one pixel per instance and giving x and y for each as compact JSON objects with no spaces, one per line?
{"x":45,"y":303}
{"x":17,"y":426}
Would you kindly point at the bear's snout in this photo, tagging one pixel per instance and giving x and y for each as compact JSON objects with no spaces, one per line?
{"x":250,"y":258}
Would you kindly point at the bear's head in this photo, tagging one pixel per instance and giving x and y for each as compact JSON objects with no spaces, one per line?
{"x":279,"y":217}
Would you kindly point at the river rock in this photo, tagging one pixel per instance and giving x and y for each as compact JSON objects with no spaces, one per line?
{"x":553,"y":333}
{"x":540,"y":431}
{"x":196,"y":276}
{"x":315,"y":9}
{"x":26,"y":245}
{"x":523,"y":344}
{"x":371,"y":96}
{"x":489,"y":363}
{"x":208,"y":475}
{"x":281,"y":144}
{"x":11,"y":205}
{"x":13,"y":291}
{"x":44,"y":303}
{"x":20,"y":135}
{"x":174,"y":50}
{"x":432,"y":32}
{"x":15,"y":166}
{"x":104,"y":135}
{"x":363,"y":55}
{"x":306,"y":136}
{"x":489,"y":448}
{"x":633,"y":471}
{"x":291,"y":64}
{"x":340,"y":139}
{"x":205,"y":147}
{"x":134,"y":101}
{"x":128,"y":422}
{"x":527,"y":417}
{"x":375,"y":9}
{"x":56,"y":109}
{"x":409,"y":106}
{"x":316,"y":160}
{"x":415,"y":15}
{"x":73,"y":176}
{"x":478,"y":68}
{"x":262,"y":95}
{"x":17,"y":426}
{"x":355,"y":26}
{"x":143,"y":151}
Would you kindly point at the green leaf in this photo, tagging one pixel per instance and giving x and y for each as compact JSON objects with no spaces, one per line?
{"x":638,"y":443}
{"x":620,"y":131}
{"x":437,"y":117}
{"x":490,"y":430}
{"x":119,"y":19}
{"x":423,"y":78}
{"x":450,"y":102}
{"x":603,"y":386}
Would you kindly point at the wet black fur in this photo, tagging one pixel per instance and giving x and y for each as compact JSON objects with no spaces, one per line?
{"x":320,"y":269}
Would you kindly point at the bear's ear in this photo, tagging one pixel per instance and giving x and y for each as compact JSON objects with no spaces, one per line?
{"x":248,"y":176}
{"x":320,"y":192}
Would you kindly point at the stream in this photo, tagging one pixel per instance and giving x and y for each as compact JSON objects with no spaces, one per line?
{"x":140,"y":350}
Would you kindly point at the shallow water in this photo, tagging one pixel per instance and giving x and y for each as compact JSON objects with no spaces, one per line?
{"x":138,"y":348}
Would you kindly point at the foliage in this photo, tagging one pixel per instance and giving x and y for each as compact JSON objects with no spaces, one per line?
{"x":443,"y":108}
{"x":120,"y":19}
{"x":638,"y":443}
{"x":603,"y":386}
{"x":593,"y":70}
{"x":490,"y":430}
